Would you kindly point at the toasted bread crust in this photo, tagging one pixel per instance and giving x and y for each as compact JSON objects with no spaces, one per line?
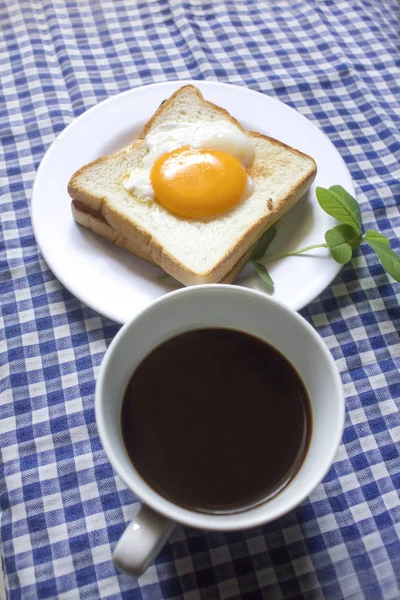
{"x":136,"y":237}
{"x":96,"y":223}
{"x":169,"y":101}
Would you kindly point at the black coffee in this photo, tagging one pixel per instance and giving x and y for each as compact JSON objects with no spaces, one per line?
{"x":216,"y":420}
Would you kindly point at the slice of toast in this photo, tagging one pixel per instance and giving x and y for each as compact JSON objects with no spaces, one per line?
{"x":192,"y":251}
{"x":101,"y":228}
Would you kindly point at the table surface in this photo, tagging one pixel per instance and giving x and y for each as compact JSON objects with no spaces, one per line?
{"x":62,"y":506}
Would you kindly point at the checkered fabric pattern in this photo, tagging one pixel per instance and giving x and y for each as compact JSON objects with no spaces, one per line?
{"x":62,"y":506}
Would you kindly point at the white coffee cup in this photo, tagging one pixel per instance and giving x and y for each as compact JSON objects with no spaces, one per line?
{"x":215,"y":306}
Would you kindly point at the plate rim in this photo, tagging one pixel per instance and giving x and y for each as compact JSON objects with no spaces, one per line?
{"x":110,"y":314}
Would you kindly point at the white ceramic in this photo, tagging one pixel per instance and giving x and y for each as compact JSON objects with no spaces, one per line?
{"x":215,"y":306}
{"x":118,"y":285}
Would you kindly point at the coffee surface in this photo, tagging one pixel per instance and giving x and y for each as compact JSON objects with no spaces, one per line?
{"x":216,"y":420}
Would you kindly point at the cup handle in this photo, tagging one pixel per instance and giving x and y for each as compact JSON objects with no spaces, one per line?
{"x":141,"y":541}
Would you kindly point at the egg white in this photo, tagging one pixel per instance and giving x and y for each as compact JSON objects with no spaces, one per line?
{"x":215,"y":135}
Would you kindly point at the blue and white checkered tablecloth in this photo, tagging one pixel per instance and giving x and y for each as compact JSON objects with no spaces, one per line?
{"x":62,"y":506}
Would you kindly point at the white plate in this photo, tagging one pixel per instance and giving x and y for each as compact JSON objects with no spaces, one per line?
{"x":117,"y":284}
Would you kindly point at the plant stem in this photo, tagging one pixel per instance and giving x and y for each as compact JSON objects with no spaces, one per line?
{"x":296,"y":253}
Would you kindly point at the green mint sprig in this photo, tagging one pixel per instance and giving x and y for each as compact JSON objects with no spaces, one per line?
{"x":341,"y":239}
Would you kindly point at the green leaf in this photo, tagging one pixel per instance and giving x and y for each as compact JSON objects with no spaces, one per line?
{"x":349,"y":199}
{"x":343,"y":233}
{"x":263,"y":273}
{"x":341,"y":241}
{"x":342,"y":254}
{"x":375,"y":236}
{"x":389,"y":259}
{"x":341,"y":205}
{"x":264,"y":243}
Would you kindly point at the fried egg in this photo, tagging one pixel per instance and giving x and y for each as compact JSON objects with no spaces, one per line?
{"x":194,"y":169}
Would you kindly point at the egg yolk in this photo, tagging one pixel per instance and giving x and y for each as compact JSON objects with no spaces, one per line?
{"x":196,"y":183}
